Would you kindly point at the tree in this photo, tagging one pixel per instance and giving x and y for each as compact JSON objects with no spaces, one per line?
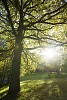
{"x":28,"y":21}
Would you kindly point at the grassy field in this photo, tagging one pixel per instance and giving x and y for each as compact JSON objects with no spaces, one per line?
{"x":38,"y":86}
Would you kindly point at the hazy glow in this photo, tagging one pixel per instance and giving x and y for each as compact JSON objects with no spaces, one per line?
{"x":66,"y":0}
{"x":49,"y":53}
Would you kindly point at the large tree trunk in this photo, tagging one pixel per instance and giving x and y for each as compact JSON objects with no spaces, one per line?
{"x":14,"y":86}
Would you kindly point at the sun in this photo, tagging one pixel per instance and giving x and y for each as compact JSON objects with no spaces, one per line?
{"x":49,"y":53}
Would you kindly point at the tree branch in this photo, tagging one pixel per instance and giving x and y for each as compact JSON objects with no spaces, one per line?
{"x":9,"y":15}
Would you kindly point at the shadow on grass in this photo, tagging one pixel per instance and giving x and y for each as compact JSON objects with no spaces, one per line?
{"x":54,"y":90}
{"x":9,"y":97}
{"x":5,"y":96}
{"x":41,"y":90}
{"x":39,"y":87}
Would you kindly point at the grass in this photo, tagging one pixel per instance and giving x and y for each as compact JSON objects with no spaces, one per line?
{"x":3,"y":91}
{"x":38,"y":86}
{"x":44,"y":90}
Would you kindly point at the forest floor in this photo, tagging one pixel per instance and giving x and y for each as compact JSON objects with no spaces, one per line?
{"x":39,"y":86}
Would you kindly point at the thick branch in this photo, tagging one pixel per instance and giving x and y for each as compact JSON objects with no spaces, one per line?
{"x":8,"y":15}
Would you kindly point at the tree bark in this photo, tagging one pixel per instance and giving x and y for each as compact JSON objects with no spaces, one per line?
{"x":14,"y":86}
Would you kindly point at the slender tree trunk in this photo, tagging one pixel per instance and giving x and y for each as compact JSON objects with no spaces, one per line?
{"x":14,"y":87}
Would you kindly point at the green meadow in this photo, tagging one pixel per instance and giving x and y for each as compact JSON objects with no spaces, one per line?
{"x":39,"y":86}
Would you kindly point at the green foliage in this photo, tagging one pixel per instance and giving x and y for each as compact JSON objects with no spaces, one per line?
{"x":40,"y":22}
{"x":29,"y":62}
